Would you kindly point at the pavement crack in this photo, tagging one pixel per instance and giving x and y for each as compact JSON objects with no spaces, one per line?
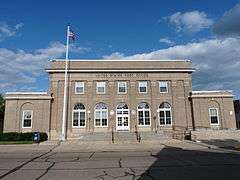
{"x":91,"y":155}
{"x":120,"y":162}
{"x":46,"y":171}
{"x":27,"y":162}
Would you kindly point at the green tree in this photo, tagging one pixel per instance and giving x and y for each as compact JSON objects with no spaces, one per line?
{"x":2,"y":105}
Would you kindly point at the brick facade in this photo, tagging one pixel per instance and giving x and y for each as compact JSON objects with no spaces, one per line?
{"x":188,"y":110}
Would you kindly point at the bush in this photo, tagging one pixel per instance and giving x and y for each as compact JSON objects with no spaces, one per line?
{"x":15,"y":136}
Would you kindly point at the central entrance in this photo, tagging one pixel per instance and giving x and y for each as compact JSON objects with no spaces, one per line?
{"x":122,"y":117}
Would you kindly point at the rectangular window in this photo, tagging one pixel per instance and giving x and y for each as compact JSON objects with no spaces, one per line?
{"x":27,"y":119}
{"x":122,"y":87}
{"x":79,"y":87}
{"x":142,"y":87}
{"x":101,"y":87}
{"x":213,"y":115}
{"x":163,"y":86}
{"x":79,"y":118}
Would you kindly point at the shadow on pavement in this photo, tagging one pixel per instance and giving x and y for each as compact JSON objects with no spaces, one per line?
{"x":177,"y":163}
{"x":222,"y":143}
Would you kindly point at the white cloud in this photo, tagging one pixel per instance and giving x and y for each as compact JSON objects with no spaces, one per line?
{"x":21,"y":67}
{"x":115,"y":55}
{"x":167,"y":41}
{"x":217,"y":62}
{"x":7,"y":31}
{"x":192,"y":21}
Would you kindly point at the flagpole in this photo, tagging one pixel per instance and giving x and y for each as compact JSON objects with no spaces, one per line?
{"x":63,"y":135}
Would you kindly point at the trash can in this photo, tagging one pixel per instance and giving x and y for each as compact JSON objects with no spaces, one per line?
{"x":36,"y":137}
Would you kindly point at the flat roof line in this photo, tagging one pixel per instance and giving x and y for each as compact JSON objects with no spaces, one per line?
{"x":24,"y":93}
{"x":99,"y":60}
{"x":214,"y":91}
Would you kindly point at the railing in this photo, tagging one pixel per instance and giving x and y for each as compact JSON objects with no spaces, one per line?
{"x":112,"y":135}
{"x":138,"y":137}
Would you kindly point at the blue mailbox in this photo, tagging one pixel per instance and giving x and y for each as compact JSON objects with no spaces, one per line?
{"x":36,"y":137}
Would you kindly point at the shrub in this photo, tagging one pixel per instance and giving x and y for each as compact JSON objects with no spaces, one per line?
{"x":15,"y":136}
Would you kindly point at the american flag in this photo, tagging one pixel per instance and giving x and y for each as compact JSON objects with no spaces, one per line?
{"x":71,"y":35}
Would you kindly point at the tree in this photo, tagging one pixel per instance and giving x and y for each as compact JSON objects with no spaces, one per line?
{"x":2,"y":105}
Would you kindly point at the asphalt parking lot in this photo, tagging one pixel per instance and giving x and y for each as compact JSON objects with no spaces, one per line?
{"x":166,"y":161}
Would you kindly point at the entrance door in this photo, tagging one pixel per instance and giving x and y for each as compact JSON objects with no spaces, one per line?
{"x":122,"y":118}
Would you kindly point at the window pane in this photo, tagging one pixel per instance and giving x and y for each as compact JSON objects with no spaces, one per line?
{"x":104,"y":114}
{"x":143,"y":89}
{"x":163,"y":89}
{"x":27,"y":123}
{"x":214,"y":120}
{"x":147,"y":121}
{"x":168,"y":120}
{"x":101,"y":89}
{"x":162,"y":118}
{"x":125,"y":121}
{"x":75,"y":118}
{"x":119,"y":121}
{"x":82,"y":118}
{"x":168,"y":114}
{"x":27,"y":114}
{"x":163,"y":86}
{"x":97,"y":122}
{"x":140,"y":121}
{"x":213,"y":112}
{"x":122,"y":87}
{"x":142,"y":86}
{"x":140,"y":118}
{"x":97,"y":114}
{"x":147,"y":114}
{"x":79,"y":87}
{"x":104,"y":122}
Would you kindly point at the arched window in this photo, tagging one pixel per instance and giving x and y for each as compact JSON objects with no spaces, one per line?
{"x":122,"y":106}
{"x":165,"y":114}
{"x":79,"y":115}
{"x":101,"y":114}
{"x":143,"y":114}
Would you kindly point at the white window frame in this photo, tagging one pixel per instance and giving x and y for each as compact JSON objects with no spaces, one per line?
{"x":31,"y":111}
{"x":144,"y":123}
{"x":165,"y":117}
{"x":79,"y":110}
{"x":77,"y":84}
{"x":162,"y":86}
{"x":209,"y":109}
{"x":145,"y":84}
{"x":98,"y":85}
{"x":125,"y":84}
{"x":100,"y":110}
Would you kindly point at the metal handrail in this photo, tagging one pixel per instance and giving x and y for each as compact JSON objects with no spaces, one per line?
{"x":112,"y":135}
{"x":138,"y":137}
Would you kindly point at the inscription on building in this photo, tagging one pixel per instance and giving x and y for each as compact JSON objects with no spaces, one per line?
{"x":122,"y":75}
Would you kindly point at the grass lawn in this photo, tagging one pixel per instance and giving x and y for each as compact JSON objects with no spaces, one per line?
{"x":15,"y":142}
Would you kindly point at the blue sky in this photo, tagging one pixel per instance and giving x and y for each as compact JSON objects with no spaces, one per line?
{"x":32,"y":32}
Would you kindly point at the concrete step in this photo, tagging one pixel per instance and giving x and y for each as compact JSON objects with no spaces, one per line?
{"x":93,"y":136}
{"x":124,"y":136}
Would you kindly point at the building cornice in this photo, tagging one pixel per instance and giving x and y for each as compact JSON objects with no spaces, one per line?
{"x":125,"y":60}
{"x":212,"y":96}
{"x":28,"y":93}
{"x":28,"y":98}
{"x":119,"y":70}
